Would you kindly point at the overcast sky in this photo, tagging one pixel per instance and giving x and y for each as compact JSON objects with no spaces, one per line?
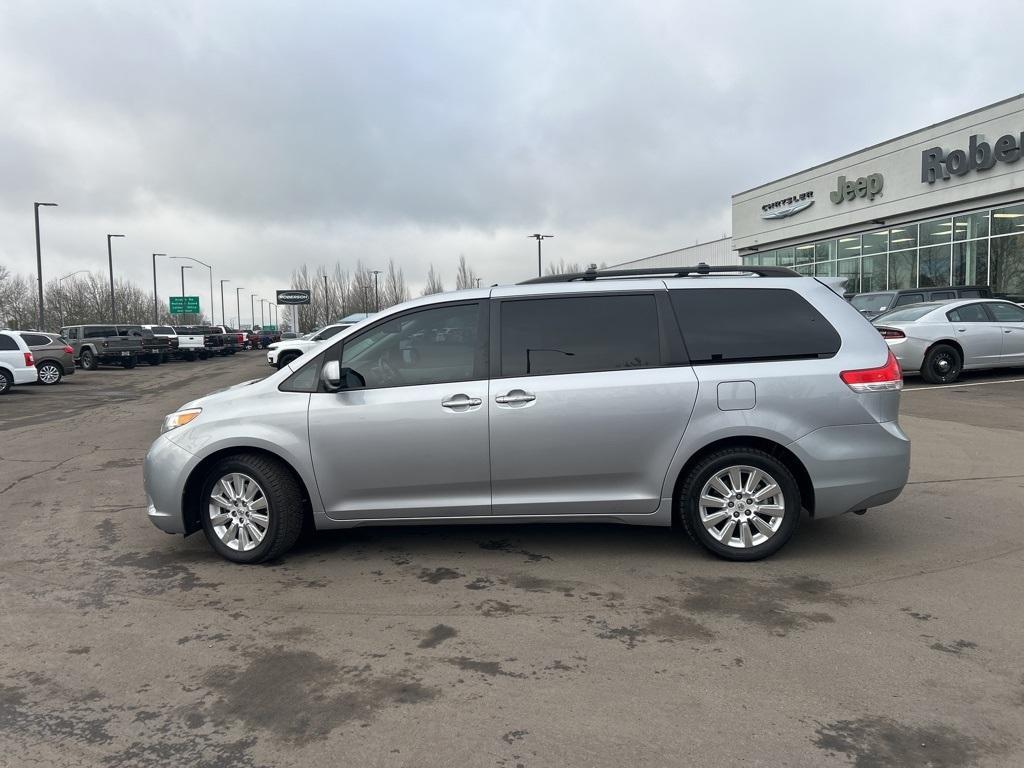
{"x":257,"y":136}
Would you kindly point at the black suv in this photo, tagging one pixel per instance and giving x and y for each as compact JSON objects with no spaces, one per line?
{"x":871,"y":305}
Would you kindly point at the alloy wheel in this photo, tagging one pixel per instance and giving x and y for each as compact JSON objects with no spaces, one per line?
{"x":49,"y":374}
{"x":742,"y":506}
{"x":238,"y":511}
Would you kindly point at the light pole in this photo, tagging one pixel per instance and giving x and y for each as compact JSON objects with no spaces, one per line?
{"x":39,"y":264}
{"x":222,"y":300}
{"x":60,"y":290}
{"x":238,"y":305}
{"x":156,"y":318}
{"x":327,"y":303}
{"x":252,"y":308}
{"x":263,"y":315}
{"x":197,"y":261}
{"x":376,"y":293}
{"x":110,"y":263}
{"x":539,"y":238}
{"x":183,"y":268}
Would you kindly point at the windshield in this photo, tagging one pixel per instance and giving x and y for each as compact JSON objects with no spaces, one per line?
{"x":872,"y":302}
{"x":907,"y":314}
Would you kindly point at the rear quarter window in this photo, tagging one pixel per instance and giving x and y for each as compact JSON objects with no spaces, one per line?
{"x":723,"y":325}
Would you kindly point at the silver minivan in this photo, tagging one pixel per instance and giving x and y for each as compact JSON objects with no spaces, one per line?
{"x":723,"y":400}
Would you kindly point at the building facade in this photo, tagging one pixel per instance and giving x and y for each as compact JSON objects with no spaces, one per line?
{"x":943,"y":205}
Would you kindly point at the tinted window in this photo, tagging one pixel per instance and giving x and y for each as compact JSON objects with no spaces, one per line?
{"x":972,"y":313}
{"x":732,"y":324}
{"x":431,"y":346}
{"x":909,"y":298}
{"x":578,"y":334}
{"x":99,"y":331}
{"x":71,"y":333}
{"x":1007,"y":313}
{"x":326,"y":333}
{"x":971,"y":293}
{"x":939,"y":295}
{"x":35,"y":340}
{"x":7,"y":343}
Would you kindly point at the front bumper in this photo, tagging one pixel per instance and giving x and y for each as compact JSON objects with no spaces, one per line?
{"x":854,"y":467}
{"x":164,"y":472}
{"x":272,"y":357}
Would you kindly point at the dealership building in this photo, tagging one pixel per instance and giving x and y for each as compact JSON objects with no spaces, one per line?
{"x":943,"y":205}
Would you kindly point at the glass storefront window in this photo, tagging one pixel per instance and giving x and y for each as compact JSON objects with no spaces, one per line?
{"x":825,"y":269}
{"x":875,"y":242}
{"x":970,"y":226}
{"x":825,"y":250}
{"x":904,"y":236}
{"x":784,"y":257}
{"x":874,"y":273}
{"x":805,"y":269}
{"x":849,"y":246}
{"x":1008,"y":266}
{"x":1008,"y":221}
{"x":902,"y":270}
{"x":804,"y":254}
{"x":850,"y":269}
{"x":970,"y":263}
{"x":933,"y":266}
{"x":768,"y":259}
{"x":936,"y":232}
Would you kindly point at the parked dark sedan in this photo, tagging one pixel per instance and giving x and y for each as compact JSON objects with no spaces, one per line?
{"x":54,"y":357}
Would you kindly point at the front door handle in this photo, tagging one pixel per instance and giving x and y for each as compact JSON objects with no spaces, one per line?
{"x":461,"y":401}
{"x":1007,"y":330}
{"x":515,"y":397}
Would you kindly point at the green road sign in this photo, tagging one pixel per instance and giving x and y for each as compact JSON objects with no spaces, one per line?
{"x":184,"y":305}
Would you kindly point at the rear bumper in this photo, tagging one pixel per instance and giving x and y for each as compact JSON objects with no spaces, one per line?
{"x":854,"y":467}
{"x":25,"y":375}
{"x":164,"y":473}
{"x":909,"y":352}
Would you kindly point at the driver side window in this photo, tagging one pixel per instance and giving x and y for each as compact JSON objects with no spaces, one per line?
{"x":432,"y":346}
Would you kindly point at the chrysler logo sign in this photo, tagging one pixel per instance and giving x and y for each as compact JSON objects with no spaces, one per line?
{"x":293,"y":297}
{"x":787,"y":206}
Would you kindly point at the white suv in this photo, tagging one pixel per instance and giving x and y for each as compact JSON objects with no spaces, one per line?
{"x":17,"y":366}
{"x":281,"y":353}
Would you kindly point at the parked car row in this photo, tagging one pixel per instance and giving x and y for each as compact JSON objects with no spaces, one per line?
{"x":44,"y":357}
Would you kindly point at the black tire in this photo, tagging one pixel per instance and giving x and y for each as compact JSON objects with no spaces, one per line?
{"x":286,"y":359}
{"x":50,"y":373}
{"x":942,"y":364}
{"x":689,"y":503}
{"x":203,"y":355}
{"x":164,"y":357}
{"x":129,"y":363}
{"x":6,"y":382}
{"x":88,"y":360}
{"x":189,"y":357}
{"x":284,"y":506}
{"x":153,"y":359}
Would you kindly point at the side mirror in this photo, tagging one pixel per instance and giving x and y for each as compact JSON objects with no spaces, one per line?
{"x":335,"y":378}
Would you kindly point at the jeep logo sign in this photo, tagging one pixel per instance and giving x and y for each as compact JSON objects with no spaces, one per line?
{"x":866,"y":186}
{"x":980,"y":156}
{"x":293,"y":297}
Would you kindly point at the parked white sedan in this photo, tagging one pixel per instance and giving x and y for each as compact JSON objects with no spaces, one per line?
{"x":940,"y":339}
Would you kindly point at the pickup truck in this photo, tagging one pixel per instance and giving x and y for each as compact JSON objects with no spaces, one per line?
{"x":155,"y":349}
{"x":233,"y":340}
{"x":165,"y":332}
{"x":191,"y":342}
{"x":95,"y":345}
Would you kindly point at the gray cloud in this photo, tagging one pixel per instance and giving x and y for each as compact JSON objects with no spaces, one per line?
{"x":259,"y":136}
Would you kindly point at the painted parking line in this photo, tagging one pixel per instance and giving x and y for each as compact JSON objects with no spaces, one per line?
{"x":971,"y":384}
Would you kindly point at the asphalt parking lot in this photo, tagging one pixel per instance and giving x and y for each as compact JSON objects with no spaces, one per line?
{"x":888,"y":639}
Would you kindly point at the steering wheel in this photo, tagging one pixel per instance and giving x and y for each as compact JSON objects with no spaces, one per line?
{"x":385,"y":372}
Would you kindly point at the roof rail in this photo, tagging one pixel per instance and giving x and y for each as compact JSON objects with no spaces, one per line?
{"x":593,"y":273}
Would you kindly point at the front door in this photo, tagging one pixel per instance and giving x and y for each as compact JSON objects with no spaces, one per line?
{"x":979,"y":337}
{"x":412,"y":442}
{"x":584,"y":417}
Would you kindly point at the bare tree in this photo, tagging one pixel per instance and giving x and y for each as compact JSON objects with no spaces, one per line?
{"x":465,"y":277}
{"x":563,"y":267}
{"x":395,"y":291}
{"x":434,"y":284}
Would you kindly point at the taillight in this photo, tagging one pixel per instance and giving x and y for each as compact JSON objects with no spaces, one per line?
{"x":892,"y":333}
{"x":29,"y":360}
{"x":887,"y":378}
{"x":69,"y":350}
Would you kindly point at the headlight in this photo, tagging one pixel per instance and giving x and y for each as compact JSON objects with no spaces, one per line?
{"x":179,"y":419}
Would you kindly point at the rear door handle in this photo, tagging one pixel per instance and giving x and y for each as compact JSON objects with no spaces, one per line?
{"x":1007,"y":330}
{"x":461,"y":401}
{"x":515,"y":397}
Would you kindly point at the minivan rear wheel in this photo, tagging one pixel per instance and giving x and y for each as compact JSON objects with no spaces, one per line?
{"x":942,"y":365}
{"x":740,"y":503}
{"x":251,"y":508}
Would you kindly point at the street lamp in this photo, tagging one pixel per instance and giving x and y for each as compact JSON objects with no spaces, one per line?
{"x":156,"y":315}
{"x":376,"y":293}
{"x":222,"y":300}
{"x":238,"y":305}
{"x":184,"y":267}
{"x":197,"y":261}
{"x":327,"y":303}
{"x":110,"y":263}
{"x":263,"y":316}
{"x":252,"y":308}
{"x":539,"y":238}
{"x":60,"y":290}
{"x":39,"y":263}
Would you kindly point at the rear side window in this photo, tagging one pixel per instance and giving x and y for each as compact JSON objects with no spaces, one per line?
{"x":576,"y":334}
{"x":99,"y":331}
{"x":972,"y":313}
{"x":729,"y":325}
{"x":35,"y":339}
{"x":7,"y":343}
{"x":909,"y":298}
{"x":940,"y":295}
{"x":972,"y":293}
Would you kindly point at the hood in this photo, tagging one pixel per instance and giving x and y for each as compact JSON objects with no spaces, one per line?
{"x":220,"y":395}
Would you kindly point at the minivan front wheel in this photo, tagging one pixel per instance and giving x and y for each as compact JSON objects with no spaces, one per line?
{"x":251,"y":508}
{"x":740,"y":503}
